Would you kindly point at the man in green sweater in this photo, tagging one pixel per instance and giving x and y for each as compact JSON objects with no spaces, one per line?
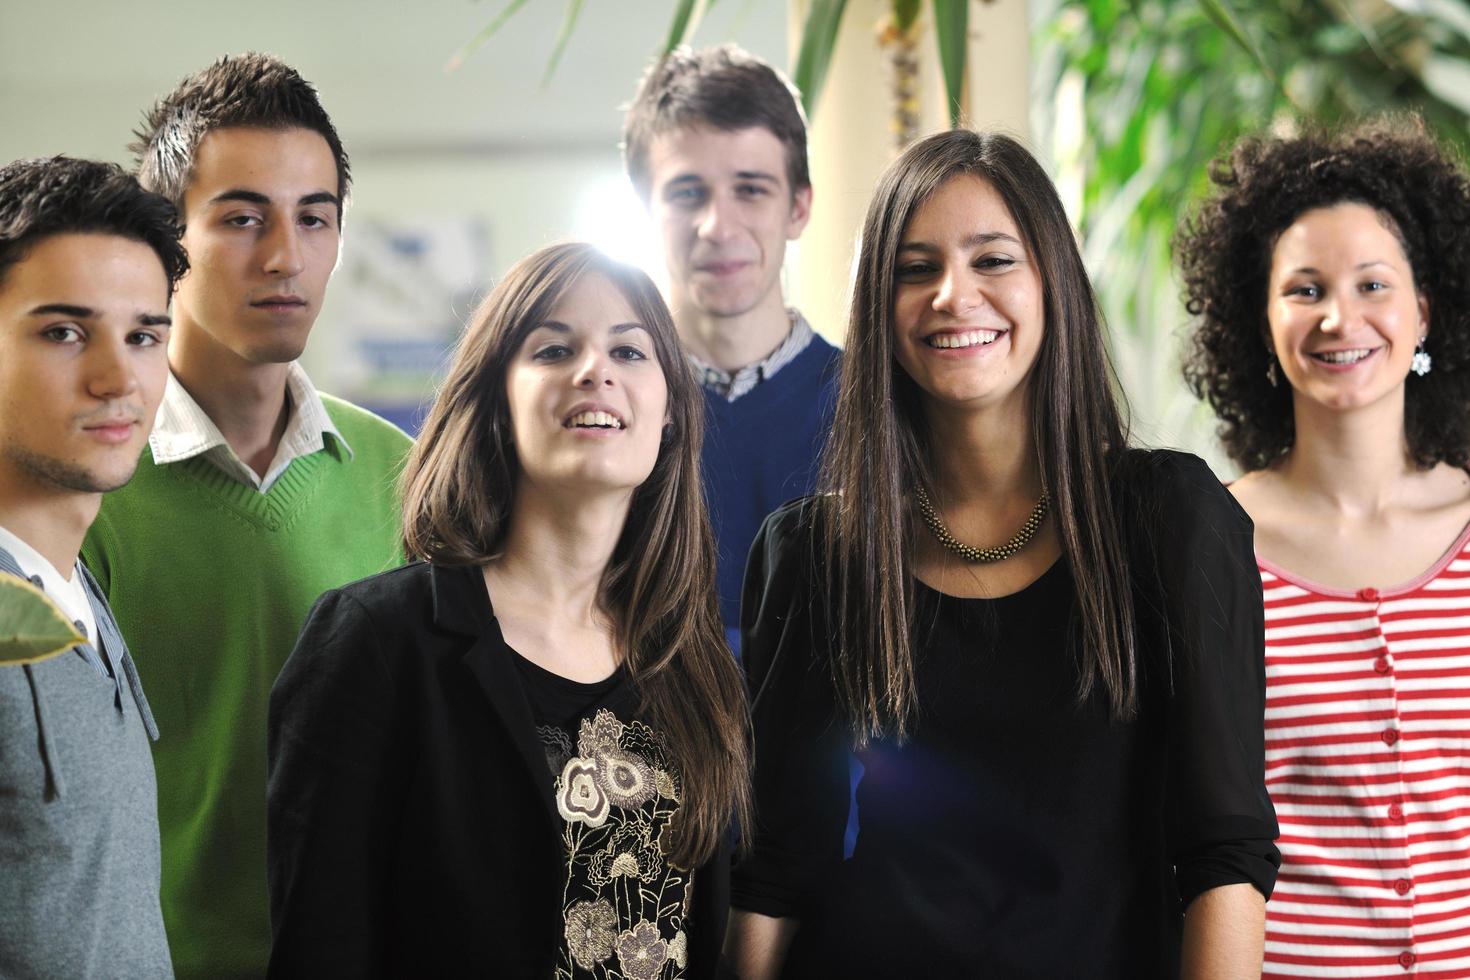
{"x":255,"y":494}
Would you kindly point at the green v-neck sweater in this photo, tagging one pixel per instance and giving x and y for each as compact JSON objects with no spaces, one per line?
{"x":210,"y":581}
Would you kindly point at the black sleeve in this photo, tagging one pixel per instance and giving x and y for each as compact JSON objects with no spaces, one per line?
{"x":801,"y":746}
{"x":1219,"y":818}
{"x":331,"y":796}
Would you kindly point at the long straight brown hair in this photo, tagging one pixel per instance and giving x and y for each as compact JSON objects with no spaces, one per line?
{"x":879,"y":452}
{"x":459,"y":493}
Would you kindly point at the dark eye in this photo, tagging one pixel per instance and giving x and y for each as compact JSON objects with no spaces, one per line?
{"x":628,"y":352}
{"x":993,"y":263}
{"x":243,"y":220}
{"x":315,"y":221}
{"x":914,"y":271}
{"x":63,"y":334}
{"x":750,"y":190}
{"x":684,"y":195}
{"x":1306,"y":292}
{"x":551,"y":352}
{"x":1374,"y":286}
{"x":144,"y":338}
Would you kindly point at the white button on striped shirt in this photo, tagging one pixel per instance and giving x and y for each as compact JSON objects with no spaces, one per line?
{"x":1368,"y":763}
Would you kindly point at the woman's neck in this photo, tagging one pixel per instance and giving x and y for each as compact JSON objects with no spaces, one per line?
{"x":556,"y":550}
{"x":1355,"y":462}
{"x":988,"y":481}
{"x":981,"y":456}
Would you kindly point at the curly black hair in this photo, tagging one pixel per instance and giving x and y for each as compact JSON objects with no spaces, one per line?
{"x":1391,"y":164}
{"x":57,"y":195}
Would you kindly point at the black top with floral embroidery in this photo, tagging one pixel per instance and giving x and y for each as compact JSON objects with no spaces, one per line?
{"x":625,"y":906}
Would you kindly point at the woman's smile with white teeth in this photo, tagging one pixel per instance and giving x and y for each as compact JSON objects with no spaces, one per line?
{"x":1344,"y":356}
{"x":968,"y":338}
{"x":594,"y":420}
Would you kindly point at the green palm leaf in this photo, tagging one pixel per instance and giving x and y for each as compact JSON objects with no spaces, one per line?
{"x":568,"y":24}
{"x":905,"y":13}
{"x":687,"y":15}
{"x":951,"y":33}
{"x":818,"y":39}
{"x":1224,"y":17}
{"x":486,"y":33}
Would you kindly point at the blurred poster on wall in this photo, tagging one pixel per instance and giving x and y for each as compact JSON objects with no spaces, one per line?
{"x":395,"y":308}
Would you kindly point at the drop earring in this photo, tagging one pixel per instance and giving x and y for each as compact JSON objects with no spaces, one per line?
{"x":1422,"y":362}
{"x":1271,"y":373}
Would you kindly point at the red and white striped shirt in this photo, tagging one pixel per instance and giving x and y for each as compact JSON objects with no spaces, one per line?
{"x":1368,"y":763}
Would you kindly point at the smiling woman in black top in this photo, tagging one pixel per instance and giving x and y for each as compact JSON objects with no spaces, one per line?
{"x":521,"y":757}
{"x":1061,"y":733}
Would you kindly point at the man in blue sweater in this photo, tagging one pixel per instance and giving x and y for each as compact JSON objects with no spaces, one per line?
{"x":715,"y":143}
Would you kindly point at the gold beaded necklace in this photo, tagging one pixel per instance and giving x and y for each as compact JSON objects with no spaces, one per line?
{"x":985,"y":555}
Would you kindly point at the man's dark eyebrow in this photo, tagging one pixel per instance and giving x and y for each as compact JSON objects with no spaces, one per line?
{"x":240,"y":194}
{"x":320,"y":197}
{"x":255,"y":197}
{"x":979,"y":238}
{"x":64,"y":309}
{"x":87,"y":313}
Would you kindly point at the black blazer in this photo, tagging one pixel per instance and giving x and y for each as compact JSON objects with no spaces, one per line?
{"x":412,"y":824}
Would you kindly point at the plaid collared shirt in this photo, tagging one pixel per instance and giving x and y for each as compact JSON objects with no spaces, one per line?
{"x":182,"y":431}
{"x":731,"y":385}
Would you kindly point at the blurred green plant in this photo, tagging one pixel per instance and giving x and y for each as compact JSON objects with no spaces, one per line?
{"x":1132,"y":99}
{"x":815,"y":46}
{"x":32,"y":628}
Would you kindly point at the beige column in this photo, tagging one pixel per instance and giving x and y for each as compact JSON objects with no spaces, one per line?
{"x":850,"y":142}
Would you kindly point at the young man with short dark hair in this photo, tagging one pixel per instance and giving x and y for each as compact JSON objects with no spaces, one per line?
{"x":715,"y":143}
{"x":270,"y":492}
{"x":88,"y":261}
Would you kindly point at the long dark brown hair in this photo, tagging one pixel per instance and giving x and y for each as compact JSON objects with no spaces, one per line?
{"x":459,"y":492}
{"x":879,"y":451}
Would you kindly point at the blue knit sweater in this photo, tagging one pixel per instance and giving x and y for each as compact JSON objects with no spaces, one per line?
{"x":760,"y":451}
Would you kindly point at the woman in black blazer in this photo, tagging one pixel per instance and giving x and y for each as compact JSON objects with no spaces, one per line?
{"x":521,"y":756}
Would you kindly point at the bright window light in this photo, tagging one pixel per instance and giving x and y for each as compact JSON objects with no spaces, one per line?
{"x":612,"y":217}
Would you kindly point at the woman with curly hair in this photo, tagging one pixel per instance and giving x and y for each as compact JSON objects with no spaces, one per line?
{"x":521,"y":756}
{"x":1330,"y":277}
{"x":1060,"y":731}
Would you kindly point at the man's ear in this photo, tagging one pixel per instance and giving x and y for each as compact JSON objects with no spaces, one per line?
{"x":801,"y":213}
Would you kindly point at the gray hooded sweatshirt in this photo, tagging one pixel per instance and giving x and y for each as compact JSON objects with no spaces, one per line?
{"x":79,"y":859}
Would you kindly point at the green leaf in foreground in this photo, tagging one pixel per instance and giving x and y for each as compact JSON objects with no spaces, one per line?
{"x":474,"y":44}
{"x":568,"y":24}
{"x":31,"y":627}
{"x":1224,"y":17}
{"x":952,"y":33}
{"x":818,"y":39}
{"x":687,"y":15}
